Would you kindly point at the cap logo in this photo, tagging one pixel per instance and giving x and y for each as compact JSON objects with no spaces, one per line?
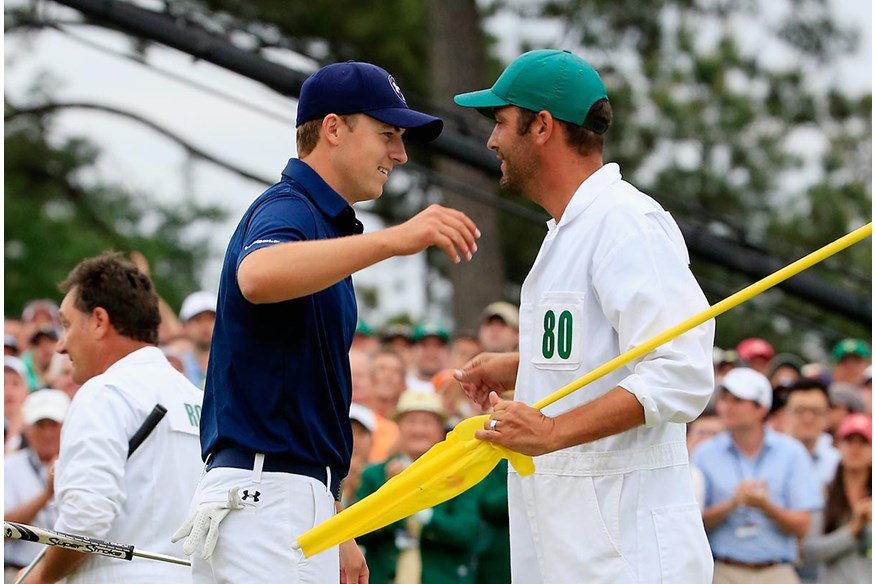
{"x":396,"y":88}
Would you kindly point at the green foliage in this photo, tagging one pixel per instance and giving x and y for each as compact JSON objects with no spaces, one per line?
{"x":54,"y":218}
{"x":759,"y":150}
{"x":390,"y":33}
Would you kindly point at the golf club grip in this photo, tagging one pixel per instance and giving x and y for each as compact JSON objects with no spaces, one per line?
{"x":78,"y":543}
{"x":146,"y":428}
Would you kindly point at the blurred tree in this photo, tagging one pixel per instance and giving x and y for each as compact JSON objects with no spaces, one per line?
{"x":54,"y":217}
{"x":764,"y":146}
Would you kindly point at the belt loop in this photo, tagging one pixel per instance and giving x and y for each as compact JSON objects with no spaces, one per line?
{"x":328,"y":480}
{"x":258,"y":463}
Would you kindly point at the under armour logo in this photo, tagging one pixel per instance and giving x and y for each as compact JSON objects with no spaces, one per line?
{"x":255,"y":496}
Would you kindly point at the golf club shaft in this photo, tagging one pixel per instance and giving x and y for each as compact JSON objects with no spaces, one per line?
{"x":82,"y":544}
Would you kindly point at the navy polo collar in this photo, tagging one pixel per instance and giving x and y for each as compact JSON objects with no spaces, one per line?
{"x":326,"y":199}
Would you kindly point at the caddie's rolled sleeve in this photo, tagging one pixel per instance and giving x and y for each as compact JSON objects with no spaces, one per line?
{"x":645,"y":288}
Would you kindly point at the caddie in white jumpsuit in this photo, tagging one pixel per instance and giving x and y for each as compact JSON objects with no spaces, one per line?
{"x":611,"y":498}
{"x":99,"y":491}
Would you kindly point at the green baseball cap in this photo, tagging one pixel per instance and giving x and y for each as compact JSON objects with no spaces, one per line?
{"x":847,"y":347}
{"x":545,"y":79}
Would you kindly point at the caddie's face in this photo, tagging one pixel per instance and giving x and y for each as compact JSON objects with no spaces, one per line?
{"x":513,"y":150}
{"x":368,"y":151}
{"x":77,"y":341}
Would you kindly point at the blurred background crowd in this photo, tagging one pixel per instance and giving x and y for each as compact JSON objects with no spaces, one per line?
{"x":405,"y":399}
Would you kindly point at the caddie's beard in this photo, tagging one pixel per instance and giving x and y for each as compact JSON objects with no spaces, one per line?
{"x":518,"y":175}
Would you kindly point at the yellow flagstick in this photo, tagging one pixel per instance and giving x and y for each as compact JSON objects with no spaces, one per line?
{"x":711,"y":312}
{"x":461,"y":461}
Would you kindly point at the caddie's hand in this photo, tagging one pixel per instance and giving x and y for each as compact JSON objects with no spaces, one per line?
{"x":446,"y":228}
{"x":203,"y":525}
{"x":518,"y":427}
{"x":354,"y":570}
{"x":488,"y":372}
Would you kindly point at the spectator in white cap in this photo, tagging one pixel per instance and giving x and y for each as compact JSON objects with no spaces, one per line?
{"x":14,"y":394}
{"x":28,"y":485}
{"x":198,"y":316}
{"x":498,"y":328}
{"x":760,"y":487}
{"x":363,"y":421}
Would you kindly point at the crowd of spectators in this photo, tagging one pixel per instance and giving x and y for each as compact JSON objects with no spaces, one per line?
{"x":781,"y":457}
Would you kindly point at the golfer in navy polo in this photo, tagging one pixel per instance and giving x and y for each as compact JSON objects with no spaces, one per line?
{"x":275,"y":427}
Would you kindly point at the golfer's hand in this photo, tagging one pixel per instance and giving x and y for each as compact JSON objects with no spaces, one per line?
{"x":518,"y":427}
{"x":203,"y":525}
{"x":438,"y":226}
{"x":488,"y":372}
{"x":354,"y":570}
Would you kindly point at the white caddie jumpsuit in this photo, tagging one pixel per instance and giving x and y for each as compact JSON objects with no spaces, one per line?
{"x":139,"y":501}
{"x":610,"y":275}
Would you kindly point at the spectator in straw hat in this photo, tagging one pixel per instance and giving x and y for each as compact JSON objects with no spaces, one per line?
{"x":498,"y":331}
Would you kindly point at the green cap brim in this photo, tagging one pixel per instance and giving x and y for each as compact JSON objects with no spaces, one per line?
{"x":484,"y":101}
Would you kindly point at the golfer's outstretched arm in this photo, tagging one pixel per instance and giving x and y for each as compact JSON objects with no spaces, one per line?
{"x":291,"y":270}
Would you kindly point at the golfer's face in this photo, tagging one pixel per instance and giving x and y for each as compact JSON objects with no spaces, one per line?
{"x":367,"y":154}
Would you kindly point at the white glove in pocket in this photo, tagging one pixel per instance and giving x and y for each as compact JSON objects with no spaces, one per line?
{"x":203,"y":525}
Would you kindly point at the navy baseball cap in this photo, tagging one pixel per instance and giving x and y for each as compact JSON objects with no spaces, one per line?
{"x":363,"y":88}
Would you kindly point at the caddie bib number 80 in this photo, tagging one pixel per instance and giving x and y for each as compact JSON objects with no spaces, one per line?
{"x":557,"y":335}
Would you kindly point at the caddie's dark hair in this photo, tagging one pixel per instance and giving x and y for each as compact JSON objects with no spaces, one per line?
{"x":116,"y":285}
{"x":586,"y":141}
